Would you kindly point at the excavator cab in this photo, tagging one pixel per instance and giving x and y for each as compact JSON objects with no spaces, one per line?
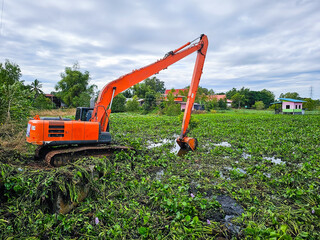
{"x":83,"y":113}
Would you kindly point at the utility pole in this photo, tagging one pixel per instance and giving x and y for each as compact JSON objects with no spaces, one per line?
{"x":311,"y":92}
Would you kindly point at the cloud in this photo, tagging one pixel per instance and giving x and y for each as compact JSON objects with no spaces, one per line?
{"x":254,"y":44}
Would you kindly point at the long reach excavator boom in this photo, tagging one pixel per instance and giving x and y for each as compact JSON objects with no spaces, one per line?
{"x":85,"y":130}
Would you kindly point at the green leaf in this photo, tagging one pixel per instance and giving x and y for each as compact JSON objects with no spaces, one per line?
{"x":284,"y":228}
{"x":79,"y":174}
{"x":142,"y":230}
{"x":187,"y":218}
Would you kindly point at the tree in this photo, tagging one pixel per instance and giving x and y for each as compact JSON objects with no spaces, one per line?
{"x":148,"y":85}
{"x":170,"y":107}
{"x":267,"y":97}
{"x":231,"y":92}
{"x":36,"y":88}
{"x":74,"y":86}
{"x":259,"y":105}
{"x":250,"y":97}
{"x":222,"y":104}
{"x":211,"y":104}
{"x":244,"y":92}
{"x":238,"y":98}
{"x":119,"y":103}
{"x":128,"y":93}
{"x":41,"y":102}
{"x":309,"y":104}
{"x":155,"y":85}
{"x":149,"y":102}
{"x":140,"y":90}
{"x":132,"y":105}
{"x":201,"y":95}
{"x":15,"y":99}
{"x":293,"y":95}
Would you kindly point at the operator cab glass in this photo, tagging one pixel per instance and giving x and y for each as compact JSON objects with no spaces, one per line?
{"x":83,"y":113}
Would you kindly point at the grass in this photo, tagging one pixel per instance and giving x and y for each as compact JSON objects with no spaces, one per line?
{"x":54,"y":112}
{"x":270,"y":168}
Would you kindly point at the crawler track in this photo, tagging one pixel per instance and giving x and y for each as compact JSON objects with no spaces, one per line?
{"x":59,"y":157}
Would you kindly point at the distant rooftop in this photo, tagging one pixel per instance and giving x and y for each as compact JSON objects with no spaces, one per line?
{"x":176,"y":91}
{"x":291,"y":100}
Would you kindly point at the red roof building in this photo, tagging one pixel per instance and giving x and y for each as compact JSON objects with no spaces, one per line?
{"x":218,"y":97}
{"x":176,"y":91}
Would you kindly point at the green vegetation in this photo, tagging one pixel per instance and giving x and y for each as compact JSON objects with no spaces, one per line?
{"x":169,"y":107}
{"x":119,"y":103}
{"x":259,"y":105}
{"x":15,"y":98}
{"x":140,"y":90}
{"x":268,"y":165}
{"x":132,"y":105}
{"x":245,"y":97}
{"x":73,"y":88}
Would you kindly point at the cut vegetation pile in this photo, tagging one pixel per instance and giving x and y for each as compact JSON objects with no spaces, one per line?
{"x":253,"y":176}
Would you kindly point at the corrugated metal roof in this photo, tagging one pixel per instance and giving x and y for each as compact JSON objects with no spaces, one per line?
{"x":291,"y":100}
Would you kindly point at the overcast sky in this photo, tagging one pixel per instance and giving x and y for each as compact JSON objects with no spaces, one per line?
{"x":266,"y":44}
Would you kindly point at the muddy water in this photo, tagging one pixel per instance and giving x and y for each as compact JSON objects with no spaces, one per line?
{"x":222,"y":144}
{"x":274,"y":160}
{"x":231,"y":209}
{"x":174,"y":149}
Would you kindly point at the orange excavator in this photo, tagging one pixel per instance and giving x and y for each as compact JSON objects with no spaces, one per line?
{"x":59,"y":139}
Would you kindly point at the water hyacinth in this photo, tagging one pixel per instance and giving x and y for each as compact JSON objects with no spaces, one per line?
{"x":96,"y":220}
{"x":192,"y":195}
{"x":208,"y":222}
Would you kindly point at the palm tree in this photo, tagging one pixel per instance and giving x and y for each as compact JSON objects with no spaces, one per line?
{"x":36,"y":88}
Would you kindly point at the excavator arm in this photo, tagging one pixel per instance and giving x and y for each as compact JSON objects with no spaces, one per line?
{"x":60,"y":140}
{"x":101,"y":113}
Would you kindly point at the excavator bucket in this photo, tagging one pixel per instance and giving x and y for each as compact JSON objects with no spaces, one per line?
{"x":187,"y":143}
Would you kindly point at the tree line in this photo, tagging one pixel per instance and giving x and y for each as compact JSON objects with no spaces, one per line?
{"x":74,"y":89}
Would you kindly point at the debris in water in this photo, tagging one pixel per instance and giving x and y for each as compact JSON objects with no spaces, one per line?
{"x":246,"y":155}
{"x":268,"y":175}
{"x":159,"y":175}
{"x":239,"y":170}
{"x":174,"y":149}
{"x":222,"y":144}
{"x":274,"y":160}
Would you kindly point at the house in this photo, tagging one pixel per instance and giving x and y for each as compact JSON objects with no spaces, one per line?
{"x":218,"y":97}
{"x":288,"y":106}
{"x":196,"y":106}
{"x":179,"y":99}
{"x":56,"y":101}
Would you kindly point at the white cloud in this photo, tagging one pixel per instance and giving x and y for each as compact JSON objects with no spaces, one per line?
{"x":255,"y":44}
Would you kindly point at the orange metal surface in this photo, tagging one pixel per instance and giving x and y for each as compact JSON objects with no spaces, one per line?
{"x":194,"y":85}
{"x":136,"y":76}
{"x":41,"y":131}
{"x":44,"y":131}
{"x":35,"y":132}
